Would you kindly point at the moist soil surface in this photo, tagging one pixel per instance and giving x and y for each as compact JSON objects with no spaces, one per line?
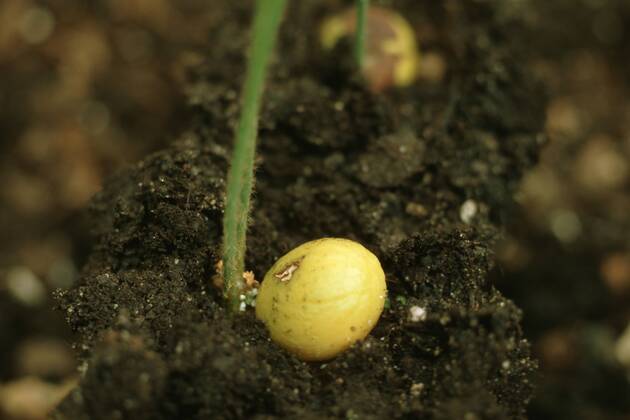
{"x":423,"y":176}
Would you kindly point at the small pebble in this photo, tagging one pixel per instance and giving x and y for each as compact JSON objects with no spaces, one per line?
{"x":25,"y":287}
{"x":416,"y":389}
{"x":468,"y":211}
{"x":417,"y":314}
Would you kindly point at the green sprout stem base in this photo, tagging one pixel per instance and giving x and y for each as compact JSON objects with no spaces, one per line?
{"x":240,"y":176}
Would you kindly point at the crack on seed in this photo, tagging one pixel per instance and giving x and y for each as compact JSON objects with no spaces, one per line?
{"x":286,"y":273}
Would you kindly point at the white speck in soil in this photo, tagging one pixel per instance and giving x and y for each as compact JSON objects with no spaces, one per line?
{"x":417,"y":314}
{"x":468,"y":211}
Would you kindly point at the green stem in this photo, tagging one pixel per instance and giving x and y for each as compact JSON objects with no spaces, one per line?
{"x":241,"y":173}
{"x":361,"y":29}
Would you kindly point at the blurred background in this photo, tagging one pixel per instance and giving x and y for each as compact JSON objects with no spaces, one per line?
{"x":88,"y":87}
{"x":85,"y":88}
{"x":566,"y":259}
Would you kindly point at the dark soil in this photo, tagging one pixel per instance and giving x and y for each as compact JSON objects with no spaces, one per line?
{"x":334,"y":160}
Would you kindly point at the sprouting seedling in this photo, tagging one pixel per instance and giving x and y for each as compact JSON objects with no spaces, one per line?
{"x":267,"y":19}
{"x":385,"y":47}
{"x":361,"y":32}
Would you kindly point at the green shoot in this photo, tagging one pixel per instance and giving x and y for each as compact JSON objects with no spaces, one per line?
{"x":240,"y":176}
{"x":361,"y":30}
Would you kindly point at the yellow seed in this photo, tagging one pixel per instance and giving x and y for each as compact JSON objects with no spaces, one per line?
{"x":392,"y":53}
{"x":321,"y":297}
